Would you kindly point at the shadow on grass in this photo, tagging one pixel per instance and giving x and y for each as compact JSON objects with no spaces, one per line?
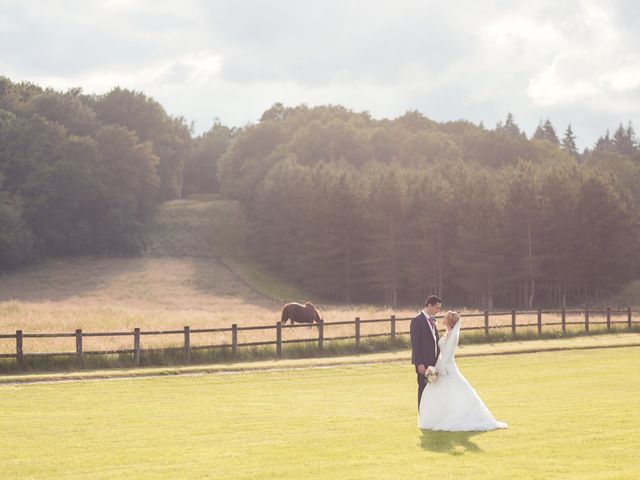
{"x":454,"y":443}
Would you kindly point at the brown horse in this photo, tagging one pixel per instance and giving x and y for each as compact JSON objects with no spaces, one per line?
{"x":299,"y":313}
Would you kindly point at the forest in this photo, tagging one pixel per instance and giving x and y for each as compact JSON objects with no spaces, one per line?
{"x":351,"y":208}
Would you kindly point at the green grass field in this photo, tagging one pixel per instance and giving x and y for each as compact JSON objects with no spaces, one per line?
{"x":571,"y":415}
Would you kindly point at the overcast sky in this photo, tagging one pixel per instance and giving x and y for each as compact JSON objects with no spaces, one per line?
{"x":574,"y":62}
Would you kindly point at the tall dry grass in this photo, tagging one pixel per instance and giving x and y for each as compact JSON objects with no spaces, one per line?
{"x":100,"y":295}
{"x":119,"y":294}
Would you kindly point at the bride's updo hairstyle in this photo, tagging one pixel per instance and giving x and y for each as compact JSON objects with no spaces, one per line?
{"x":453,"y":318}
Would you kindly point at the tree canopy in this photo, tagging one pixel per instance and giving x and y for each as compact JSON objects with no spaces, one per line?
{"x":390,"y":210}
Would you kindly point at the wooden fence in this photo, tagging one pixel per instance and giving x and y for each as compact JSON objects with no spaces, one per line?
{"x":186,"y":333}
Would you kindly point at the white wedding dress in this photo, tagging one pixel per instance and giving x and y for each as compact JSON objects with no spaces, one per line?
{"x":450,"y":403}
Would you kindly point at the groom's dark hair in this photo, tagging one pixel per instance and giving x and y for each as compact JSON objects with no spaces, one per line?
{"x":432,"y":300}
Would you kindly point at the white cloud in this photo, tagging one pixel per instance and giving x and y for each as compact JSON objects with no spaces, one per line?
{"x":572,"y":62}
{"x":595,"y":69}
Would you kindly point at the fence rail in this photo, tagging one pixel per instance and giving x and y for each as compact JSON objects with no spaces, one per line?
{"x":586,"y":322}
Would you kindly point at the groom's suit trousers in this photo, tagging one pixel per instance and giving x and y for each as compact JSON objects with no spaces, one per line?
{"x":422,"y":383}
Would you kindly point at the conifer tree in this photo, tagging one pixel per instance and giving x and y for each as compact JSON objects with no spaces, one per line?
{"x":545,"y":131}
{"x":624,"y":140}
{"x":386,"y":234}
{"x":569,"y":142}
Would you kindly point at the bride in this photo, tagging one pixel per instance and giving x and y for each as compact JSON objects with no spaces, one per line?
{"x":450,"y":403}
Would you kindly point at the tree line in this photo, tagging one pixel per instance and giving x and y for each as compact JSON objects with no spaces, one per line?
{"x":349,"y":207}
{"x":81,"y":173}
{"x":357,"y":209}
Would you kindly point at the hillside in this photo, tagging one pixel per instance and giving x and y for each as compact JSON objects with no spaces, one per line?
{"x":195,"y":271}
{"x":195,"y":258}
{"x":201,"y":226}
{"x":135,"y":283}
{"x":215,"y":228}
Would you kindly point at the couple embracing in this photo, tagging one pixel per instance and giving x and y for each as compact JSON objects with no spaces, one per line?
{"x":446,"y":400}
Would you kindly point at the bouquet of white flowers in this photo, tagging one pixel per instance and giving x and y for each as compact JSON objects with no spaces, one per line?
{"x":431,"y":374}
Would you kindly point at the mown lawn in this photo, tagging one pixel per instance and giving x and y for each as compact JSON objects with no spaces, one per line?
{"x":571,"y":415}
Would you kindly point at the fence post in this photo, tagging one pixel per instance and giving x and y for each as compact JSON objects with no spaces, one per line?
{"x":279,"y":339}
{"x":608,"y":318}
{"x":187,"y":343}
{"x":513,"y":323}
{"x":486,"y":323}
{"x":234,"y":339}
{"x":79,"y":346}
{"x":19,"y":353}
{"x":393,"y":327}
{"x":586,"y":318}
{"x":539,"y":322}
{"x":136,"y":346}
{"x":357,"y":332}
{"x":564,"y":321}
{"x":629,"y":316}
{"x":321,"y":336}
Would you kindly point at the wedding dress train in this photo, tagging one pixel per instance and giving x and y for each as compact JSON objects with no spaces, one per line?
{"x":450,"y":403}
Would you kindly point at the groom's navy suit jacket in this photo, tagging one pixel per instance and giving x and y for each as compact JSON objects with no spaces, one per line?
{"x":423,"y":348}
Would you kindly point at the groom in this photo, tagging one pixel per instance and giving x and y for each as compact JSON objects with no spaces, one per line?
{"x":424,"y":340}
